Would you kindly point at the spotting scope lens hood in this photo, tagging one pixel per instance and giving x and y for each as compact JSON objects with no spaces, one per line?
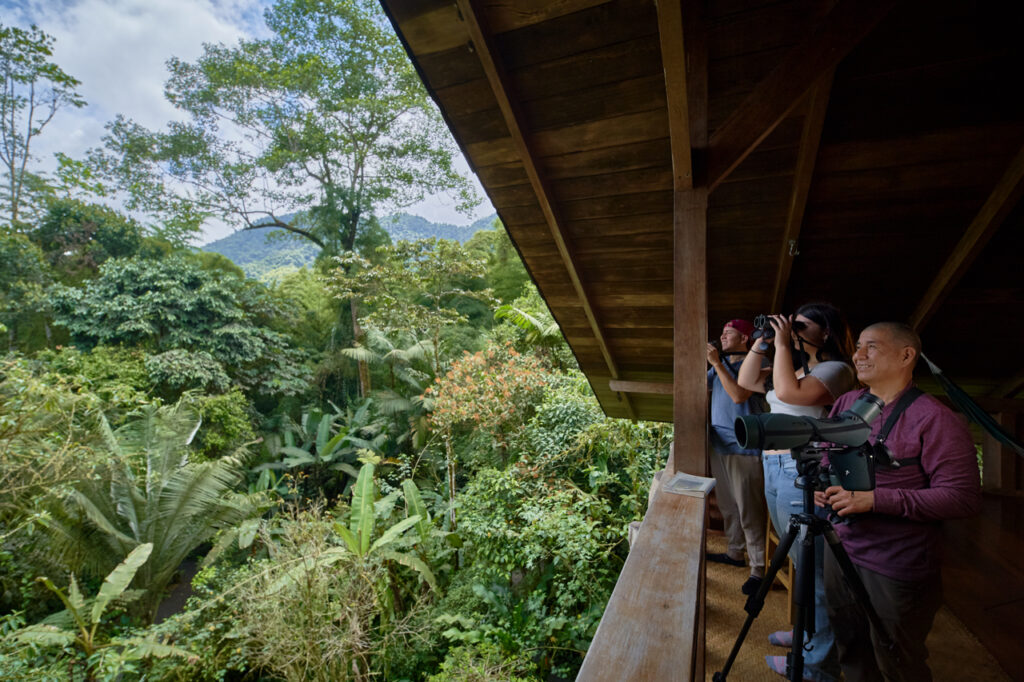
{"x":784,"y":431}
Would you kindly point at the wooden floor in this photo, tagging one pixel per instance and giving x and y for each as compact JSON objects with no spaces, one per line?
{"x":983,"y":574}
{"x":956,"y":654}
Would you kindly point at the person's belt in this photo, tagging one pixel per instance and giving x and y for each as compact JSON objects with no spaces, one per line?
{"x":775,"y":452}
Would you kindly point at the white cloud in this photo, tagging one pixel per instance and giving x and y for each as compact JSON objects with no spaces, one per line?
{"x":118,"y":49}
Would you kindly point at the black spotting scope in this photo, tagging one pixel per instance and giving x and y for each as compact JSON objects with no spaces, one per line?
{"x":785,"y":431}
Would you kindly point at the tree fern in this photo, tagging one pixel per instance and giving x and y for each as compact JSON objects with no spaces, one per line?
{"x":148,"y":492}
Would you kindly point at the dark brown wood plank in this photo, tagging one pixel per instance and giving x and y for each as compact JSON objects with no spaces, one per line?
{"x":763,"y":28}
{"x":502,"y":175}
{"x":610,"y":132}
{"x":611,"y":22}
{"x":1000,"y":202}
{"x":935,"y":147}
{"x":436,"y":28}
{"x":621,"y":205}
{"x":611,"y":184}
{"x":646,"y":93}
{"x":603,"y":65}
{"x":508,"y":15}
{"x":465,"y":98}
{"x":776,"y":95}
{"x":645,"y":154}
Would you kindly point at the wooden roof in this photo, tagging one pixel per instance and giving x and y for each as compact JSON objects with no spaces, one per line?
{"x":865,"y":152}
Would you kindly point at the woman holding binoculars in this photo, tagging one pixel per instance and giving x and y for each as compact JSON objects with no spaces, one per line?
{"x":811,"y":368}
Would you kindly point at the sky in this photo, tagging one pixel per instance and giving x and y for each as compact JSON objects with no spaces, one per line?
{"x":118,"y":50}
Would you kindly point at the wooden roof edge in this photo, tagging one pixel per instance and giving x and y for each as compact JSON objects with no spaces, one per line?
{"x":485,"y":51}
{"x":424,"y":80}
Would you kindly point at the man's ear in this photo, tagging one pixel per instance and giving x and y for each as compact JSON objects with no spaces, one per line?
{"x":908,"y":355}
{"x":746,"y":341}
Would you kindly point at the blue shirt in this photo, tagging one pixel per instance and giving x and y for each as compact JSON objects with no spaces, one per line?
{"x":724,"y":412}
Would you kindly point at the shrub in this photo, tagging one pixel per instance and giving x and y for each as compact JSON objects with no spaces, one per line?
{"x":178,"y":370}
{"x":482,"y":662}
{"x":226,"y":426}
{"x":567,"y":410}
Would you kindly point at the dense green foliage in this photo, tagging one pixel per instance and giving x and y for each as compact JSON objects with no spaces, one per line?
{"x":381,"y":466}
{"x":199,"y":326}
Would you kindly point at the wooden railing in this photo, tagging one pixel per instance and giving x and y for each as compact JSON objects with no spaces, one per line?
{"x":653,"y":625}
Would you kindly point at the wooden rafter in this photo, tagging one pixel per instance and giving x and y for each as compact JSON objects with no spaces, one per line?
{"x":780,"y":91}
{"x":1010,"y":387}
{"x":810,"y":140}
{"x":1000,"y":202}
{"x":649,"y":387}
{"x":673,"y":57}
{"x":496,"y":76}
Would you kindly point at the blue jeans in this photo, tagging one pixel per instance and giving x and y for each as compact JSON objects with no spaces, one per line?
{"x":821,"y":662}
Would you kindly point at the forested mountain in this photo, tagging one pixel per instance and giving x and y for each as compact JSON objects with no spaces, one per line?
{"x":410,"y":227}
{"x":268,"y":254}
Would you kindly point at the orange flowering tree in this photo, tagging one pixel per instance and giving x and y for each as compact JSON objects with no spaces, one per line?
{"x":491,"y":392}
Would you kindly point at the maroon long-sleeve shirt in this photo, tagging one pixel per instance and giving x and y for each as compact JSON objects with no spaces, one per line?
{"x":902,"y":537}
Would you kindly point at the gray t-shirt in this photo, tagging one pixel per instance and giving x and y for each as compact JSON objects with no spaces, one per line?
{"x":838,"y":377}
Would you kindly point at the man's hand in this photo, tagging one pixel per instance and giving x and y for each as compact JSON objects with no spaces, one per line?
{"x":713,"y":357}
{"x":819,"y":499}
{"x":846,"y":502}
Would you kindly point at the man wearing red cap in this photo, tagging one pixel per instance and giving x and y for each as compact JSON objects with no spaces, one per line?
{"x":738,"y":473}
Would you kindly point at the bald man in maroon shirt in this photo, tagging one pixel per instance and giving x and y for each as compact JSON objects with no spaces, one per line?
{"x":894,"y":540}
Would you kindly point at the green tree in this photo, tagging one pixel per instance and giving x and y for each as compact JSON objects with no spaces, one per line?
{"x":34,"y":90}
{"x":415,"y":288}
{"x":326,"y":119}
{"x":490,"y":393}
{"x":77,"y":237}
{"x":24,"y":283}
{"x":172,"y":306}
{"x":505,"y":272}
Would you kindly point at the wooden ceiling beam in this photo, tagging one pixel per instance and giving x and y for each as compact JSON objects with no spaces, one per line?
{"x":781,"y":90}
{"x":1000,"y":202}
{"x":810,"y":140}
{"x":673,"y":58}
{"x":486,"y":51}
{"x":1009,"y":388}
{"x":649,"y":387}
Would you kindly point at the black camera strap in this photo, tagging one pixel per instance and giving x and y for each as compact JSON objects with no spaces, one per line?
{"x":911,"y":394}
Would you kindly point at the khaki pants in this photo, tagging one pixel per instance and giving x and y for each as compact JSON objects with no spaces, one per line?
{"x":739,"y":488}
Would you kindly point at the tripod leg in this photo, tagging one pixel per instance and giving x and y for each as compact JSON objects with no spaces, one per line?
{"x":857,"y":586}
{"x":804,"y":592}
{"x":755,"y":602}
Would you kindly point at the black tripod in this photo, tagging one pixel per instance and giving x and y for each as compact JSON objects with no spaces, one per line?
{"x":804,"y":526}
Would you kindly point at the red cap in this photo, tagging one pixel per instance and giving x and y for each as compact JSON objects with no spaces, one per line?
{"x":742,"y":326}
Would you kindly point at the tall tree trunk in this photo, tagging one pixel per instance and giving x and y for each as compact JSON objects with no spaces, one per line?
{"x":360,"y":339}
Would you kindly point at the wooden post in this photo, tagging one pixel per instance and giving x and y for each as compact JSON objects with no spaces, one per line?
{"x":1001,"y":470}
{"x":690,"y":395}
